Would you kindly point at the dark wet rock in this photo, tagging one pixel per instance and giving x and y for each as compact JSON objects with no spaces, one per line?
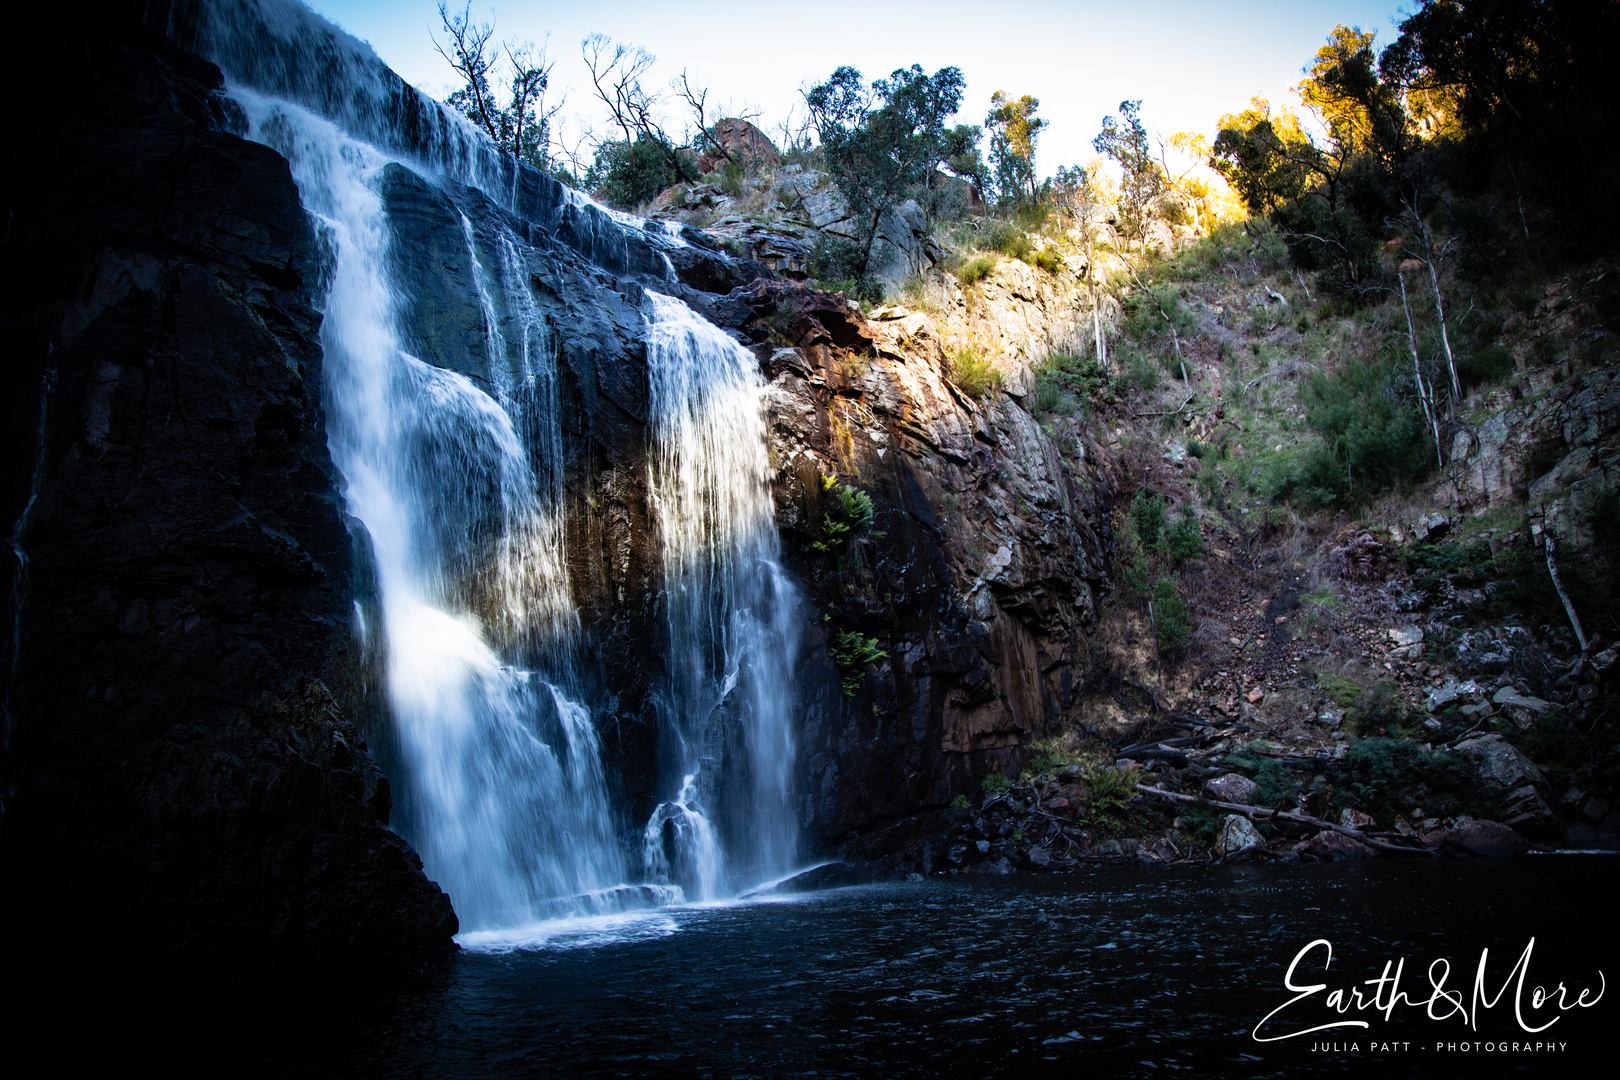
{"x":1525,"y":811}
{"x":711,"y":272}
{"x":1328,"y":846}
{"x":831,"y":875}
{"x":1470,"y":837}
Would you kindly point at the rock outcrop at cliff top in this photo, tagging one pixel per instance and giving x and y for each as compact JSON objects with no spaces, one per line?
{"x":183,"y":765}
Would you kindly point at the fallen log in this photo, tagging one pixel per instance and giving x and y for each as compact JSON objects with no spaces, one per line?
{"x":1165,"y":744}
{"x":1283,"y":815}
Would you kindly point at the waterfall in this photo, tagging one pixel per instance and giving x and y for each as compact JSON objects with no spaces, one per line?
{"x":508,"y":799}
{"x":732,"y":614}
{"x":457,"y":487}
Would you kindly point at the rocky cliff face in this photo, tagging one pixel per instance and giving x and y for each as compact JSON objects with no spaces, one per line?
{"x":183,"y":760}
{"x":977,"y":575}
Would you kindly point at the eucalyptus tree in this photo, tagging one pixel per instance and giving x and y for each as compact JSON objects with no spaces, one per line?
{"x":884,"y":141}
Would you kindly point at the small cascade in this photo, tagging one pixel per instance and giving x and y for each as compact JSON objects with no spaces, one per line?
{"x":457,"y":484}
{"x":732,"y":615}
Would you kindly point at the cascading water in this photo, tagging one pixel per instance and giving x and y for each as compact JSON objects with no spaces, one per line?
{"x":732,"y":615}
{"x":509,"y":802}
{"x":459,"y":490}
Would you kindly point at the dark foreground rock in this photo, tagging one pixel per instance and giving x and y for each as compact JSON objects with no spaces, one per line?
{"x":184,"y":775}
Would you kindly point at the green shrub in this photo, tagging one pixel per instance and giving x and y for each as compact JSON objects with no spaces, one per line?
{"x":959,"y":803}
{"x":833,"y":258}
{"x":1170,"y":624}
{"x":1141,"y":371}
{"x":1048,"y":754}
{"x":1276,"y":785}
{"x":852,"y":651}
{"x":1147,"y":515}
{"x":1047,"y":259}
{"x":973,"y":374}
{"x":995,"y":783}
{"x":1381,"y":776}
{"x":1185,"y":538}
{"x":999,"y":235}
{"x":1345,"y":693}
{"x":731,"y":182}
{"x":976,"y":269}
{"x":1203,"y":822}
{"x":1145,"y":313}
{"x":1050,"y":396}
{"x":625,"y":175}
{"x":1064,"y":383}
{"x":1031,"y":214}
{"x":1373,"y":433}
{"x":1556,"y":744}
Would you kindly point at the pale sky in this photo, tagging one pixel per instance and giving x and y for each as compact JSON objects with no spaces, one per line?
{"x":1188,"y":61}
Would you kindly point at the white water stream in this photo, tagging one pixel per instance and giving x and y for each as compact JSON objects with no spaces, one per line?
{"x":459,"y":492}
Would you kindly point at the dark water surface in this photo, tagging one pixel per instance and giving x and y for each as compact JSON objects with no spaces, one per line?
{"x":1128,"y":972}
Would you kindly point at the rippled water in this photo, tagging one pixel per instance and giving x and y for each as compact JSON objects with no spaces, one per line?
{"x":1123,"y":972}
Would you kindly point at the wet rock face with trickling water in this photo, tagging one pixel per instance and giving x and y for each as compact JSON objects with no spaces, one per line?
{"x":183,"y":766}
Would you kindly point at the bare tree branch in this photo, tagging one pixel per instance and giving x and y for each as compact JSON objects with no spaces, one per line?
{"x":466,"y":52}
{"x":616,"y":74}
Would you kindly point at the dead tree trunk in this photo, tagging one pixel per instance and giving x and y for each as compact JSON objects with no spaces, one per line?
{"x":1445,"y":339}
{"x":1425,"y":392}
{"x":1552,"y":571}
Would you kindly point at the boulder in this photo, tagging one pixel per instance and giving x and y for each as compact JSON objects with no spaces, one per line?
{"x":1454,"y":692}
{"x":1237,"y":834}
{"x":900,"y":249}
{"x":1355,"y":819}
{"x":1470,"y":837}
{"x":1497,"y":761}
{"x":1509,"y":698}
{"x":1232,"y":788}
{"x":825,"y":208}
{"x":1406,"y":635}
{"x":743,"y":141}
{"x":1328,"y":846}
{"x":1527,"y":812}
{"x":1431,"y":526}
{"x":1156,"y":236}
